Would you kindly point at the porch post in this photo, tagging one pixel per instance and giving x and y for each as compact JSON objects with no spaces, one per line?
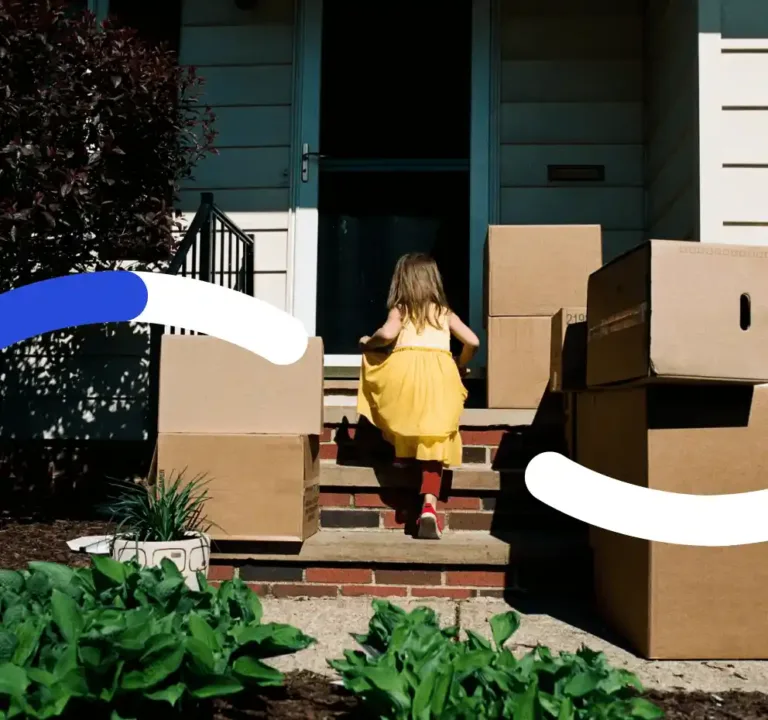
{"x":709,"y":161}
{"x":481,"y":164}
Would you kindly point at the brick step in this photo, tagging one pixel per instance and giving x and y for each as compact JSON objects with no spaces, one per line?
{"x":472,"y":499}
{"x":372,"y":563}
{"x":504,"y":447}
{"x":468,"y":478}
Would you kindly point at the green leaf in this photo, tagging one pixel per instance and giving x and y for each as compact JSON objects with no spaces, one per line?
{"x":172,"y":694}
{"x":217,"y":687}
{"x":66,"y":616}
{"x":526,"y":703}
{"x":644,"y":709}
{"x":581,"y":684}
{"x":156,"y":670}
{"x":13,"y":680}
{"x":60,"y":576}
{"x":8,"y":645}
{"x":477,"y":642}
{"x":423,"y":696}
{"x":11,"y":580}
{"x":66,"y":662}
{"x":27,"y":641}
{"x":111,"y":570}
{"x":273,"y":639}
{"x":202,"y":658}
{"x":203,"y":632}
{"x":255,"y":671}
{"x":567,"y":711}
{"x":389,"y":682}
{"x":442,"y":690}
{"x":503,"y":627}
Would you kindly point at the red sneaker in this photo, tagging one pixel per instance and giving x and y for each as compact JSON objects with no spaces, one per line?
{"x":429,"y":524}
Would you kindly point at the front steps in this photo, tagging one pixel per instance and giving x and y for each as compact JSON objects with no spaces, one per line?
{"x":498,"y":539}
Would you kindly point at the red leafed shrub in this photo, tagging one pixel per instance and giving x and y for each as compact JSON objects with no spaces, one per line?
{"x":97,"y":131}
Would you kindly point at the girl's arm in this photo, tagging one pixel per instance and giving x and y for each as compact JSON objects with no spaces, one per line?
{"x":386,"y":334}
{"x":470,"y":341}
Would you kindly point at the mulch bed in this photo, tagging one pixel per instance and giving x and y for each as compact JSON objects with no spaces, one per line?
{"x":23,"y":542}
{"x":307,"y":696}
{"x":311,"y":697}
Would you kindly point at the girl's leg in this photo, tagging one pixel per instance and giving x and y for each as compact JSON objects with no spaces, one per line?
{"x":431,"y":481}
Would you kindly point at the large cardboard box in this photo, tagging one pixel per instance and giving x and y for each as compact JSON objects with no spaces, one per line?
{"x":675,"y":311}
{"x":518,"y":361}
{"x":538,"y":269}
{"x":669,"y":601}
{"x":568,"y":365}
{"x":211,"y":386}
{"x":260,"y":487}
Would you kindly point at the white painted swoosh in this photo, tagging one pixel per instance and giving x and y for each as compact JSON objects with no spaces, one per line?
{"x":676,"y":518}
{"x":223,"y":313}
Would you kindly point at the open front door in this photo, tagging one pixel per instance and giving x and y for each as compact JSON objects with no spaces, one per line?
{"x":383,"y":136}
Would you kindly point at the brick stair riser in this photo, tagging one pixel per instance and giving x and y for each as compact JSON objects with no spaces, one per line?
{"x":504,"y":448}
{"x":449,"y":582}
{"x":396,"y":509}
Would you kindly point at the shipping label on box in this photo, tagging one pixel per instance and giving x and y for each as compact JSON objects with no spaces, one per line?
{"x":569,"y":350}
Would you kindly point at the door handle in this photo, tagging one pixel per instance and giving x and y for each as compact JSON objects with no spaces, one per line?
{"x":305,"y":155}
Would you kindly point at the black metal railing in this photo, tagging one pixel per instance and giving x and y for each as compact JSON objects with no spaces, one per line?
{"x":215,"y":250}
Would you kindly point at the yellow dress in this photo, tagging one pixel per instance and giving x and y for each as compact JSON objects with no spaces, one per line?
{"x":414,"y":394}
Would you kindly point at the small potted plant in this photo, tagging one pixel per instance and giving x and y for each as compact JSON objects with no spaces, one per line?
{"x":163,"y":520}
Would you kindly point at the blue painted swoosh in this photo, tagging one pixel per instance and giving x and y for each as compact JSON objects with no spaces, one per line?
{"x":62,"y":302}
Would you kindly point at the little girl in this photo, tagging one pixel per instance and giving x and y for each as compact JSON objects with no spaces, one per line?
{"x":414,"y":394}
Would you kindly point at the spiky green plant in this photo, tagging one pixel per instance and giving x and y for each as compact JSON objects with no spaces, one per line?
{"x":165,"y":511}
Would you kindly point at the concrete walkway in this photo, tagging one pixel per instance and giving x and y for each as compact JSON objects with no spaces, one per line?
{"x":331,"y":621}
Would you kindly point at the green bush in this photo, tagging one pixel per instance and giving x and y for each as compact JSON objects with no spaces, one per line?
{"x":412,"y":669}
{"x":115,"y":640}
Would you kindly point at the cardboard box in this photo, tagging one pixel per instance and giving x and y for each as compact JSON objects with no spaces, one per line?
{"x":261,"y":487}
{"x":674,"y":310}
{"x":569,"y":424}
{"x":518,"y":361}
{"x":208,"y":385}
{"x":569,"y":350}
{"x":677,"y":602}
{"x":538,"y":269}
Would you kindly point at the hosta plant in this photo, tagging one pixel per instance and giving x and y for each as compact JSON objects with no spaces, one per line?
{"x":118,"y":641}
{"x":412,"y":669}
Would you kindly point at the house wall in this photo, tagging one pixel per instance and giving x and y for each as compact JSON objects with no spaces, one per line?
{"x":671,"y":120}
{"x":246,"y":59}
{"x":572,"y":93}
{"x":739,"y":110}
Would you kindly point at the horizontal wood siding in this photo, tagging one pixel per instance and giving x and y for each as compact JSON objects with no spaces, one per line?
{"x":572,"y":94}
{"x":246,"y":59}
{"x":743,"y":89}
{"x":672,"y":120}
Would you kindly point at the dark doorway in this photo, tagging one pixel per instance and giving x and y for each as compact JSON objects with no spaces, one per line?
{"x":394,"y":133}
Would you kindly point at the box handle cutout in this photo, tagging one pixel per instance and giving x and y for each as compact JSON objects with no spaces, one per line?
{"x":745,"y":312}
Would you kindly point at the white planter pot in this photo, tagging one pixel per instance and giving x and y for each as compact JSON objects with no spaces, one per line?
{"x":190,"y":556}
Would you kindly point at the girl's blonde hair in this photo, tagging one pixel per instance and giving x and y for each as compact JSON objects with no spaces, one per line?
{"x":417,"y":291}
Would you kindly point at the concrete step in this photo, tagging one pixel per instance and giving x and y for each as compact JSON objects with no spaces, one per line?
{"x":373,"y":563}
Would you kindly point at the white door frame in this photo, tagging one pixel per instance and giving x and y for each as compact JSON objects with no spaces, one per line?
{"x":483,"y":165}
